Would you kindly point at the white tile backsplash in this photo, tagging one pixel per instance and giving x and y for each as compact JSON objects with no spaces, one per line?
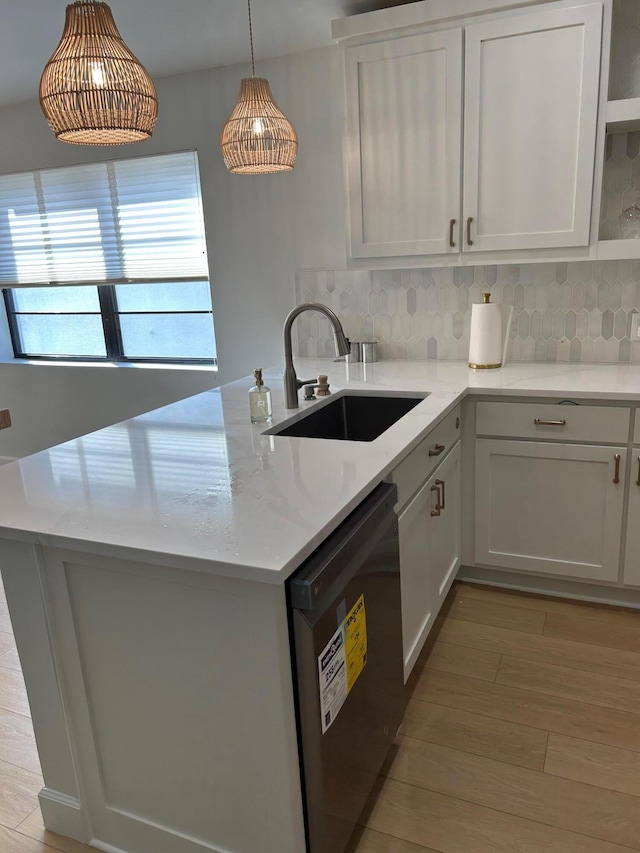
{"x":562,"y":312}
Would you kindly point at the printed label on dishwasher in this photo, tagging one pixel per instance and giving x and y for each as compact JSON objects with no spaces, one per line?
{"x":332,"y":674}
{"x":341,"y":662}
{"x":355,"y":642}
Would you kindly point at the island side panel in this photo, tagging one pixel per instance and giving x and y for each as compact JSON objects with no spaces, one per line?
{"x":23,"y":577}
{"x":180,"y":702}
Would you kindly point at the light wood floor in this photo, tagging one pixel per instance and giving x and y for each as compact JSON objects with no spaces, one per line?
{"x":522,"y":733}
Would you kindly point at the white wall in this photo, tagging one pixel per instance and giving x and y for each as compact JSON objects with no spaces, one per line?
{"x":50,"y":404}
{"x":260,"y":229}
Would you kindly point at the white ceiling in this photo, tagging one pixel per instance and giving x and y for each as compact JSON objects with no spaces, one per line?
{"x":169,"y":36}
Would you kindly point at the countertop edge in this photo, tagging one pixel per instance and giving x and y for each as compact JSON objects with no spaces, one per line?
{"x":450,"y":385}
{"x":235,"y":571}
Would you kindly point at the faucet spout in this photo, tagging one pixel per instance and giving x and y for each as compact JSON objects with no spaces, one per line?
{"x":291,"y":382}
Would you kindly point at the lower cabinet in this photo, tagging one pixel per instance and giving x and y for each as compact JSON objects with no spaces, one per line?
{"x":632,"y":554}
{"x":551,"y":508}
{"x":429,"y":553}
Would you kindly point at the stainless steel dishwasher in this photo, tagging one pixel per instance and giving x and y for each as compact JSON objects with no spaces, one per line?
{"x":346,"y":630}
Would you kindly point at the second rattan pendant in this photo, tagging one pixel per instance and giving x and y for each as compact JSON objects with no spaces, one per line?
{"x":258,"y":138}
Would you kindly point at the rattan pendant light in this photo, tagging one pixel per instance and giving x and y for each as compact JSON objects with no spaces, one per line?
{"x":258,"y":138}
{"x":93,"y":90}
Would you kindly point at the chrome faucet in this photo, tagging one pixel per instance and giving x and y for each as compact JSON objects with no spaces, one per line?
{"x":291,"y":382}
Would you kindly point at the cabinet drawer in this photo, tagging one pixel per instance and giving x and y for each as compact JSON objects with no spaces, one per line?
{"x":554,"y":422}
{"x":418,"y":465}
{"x":636,"y":433}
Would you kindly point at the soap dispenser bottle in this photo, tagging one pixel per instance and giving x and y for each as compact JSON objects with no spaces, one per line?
{"x":259,"y":400}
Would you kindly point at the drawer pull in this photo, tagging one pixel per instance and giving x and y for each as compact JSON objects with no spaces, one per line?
{"x":452,"y":223}
{"x":616,"y":476}
{"x":437,"y":450}
{"x":638,"y":480}
{"x":436,"y":488}
{"x":539,"y":422}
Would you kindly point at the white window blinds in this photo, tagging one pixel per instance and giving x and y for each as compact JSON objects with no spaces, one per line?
{"x":124,"y":221}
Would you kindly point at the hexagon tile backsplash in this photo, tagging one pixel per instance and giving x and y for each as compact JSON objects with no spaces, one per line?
{"x":562,"y":312}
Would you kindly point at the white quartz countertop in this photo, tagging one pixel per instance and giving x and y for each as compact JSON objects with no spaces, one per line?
{"x":194,"y":485}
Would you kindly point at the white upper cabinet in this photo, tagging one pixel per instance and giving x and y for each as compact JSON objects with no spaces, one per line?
{"x":531,"y":107}
{"x":527,"y":153}
{"x":404,"y":145}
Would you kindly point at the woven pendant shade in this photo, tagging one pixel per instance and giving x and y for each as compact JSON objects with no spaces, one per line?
{"x":258,"y":138}
{"x":93,"y":90}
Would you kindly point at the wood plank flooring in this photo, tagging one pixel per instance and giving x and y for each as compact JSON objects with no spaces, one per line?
{"x":522,"y":733}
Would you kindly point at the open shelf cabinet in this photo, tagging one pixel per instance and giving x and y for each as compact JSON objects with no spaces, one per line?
{"x":621,"y":175}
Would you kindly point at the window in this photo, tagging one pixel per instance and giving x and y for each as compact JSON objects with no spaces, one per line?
{"x":107,"y":262}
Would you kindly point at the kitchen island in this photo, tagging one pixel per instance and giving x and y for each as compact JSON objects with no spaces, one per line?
{"x":144,"y":566}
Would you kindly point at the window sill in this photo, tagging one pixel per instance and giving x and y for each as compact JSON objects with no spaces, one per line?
{"x":135,"y":365}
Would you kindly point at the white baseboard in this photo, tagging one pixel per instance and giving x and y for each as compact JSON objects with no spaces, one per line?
{"x":577,"y":590}
{"x":63,"y":814}
{"x":107,"y":848}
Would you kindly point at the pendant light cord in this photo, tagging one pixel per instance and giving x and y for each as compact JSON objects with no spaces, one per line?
{"x":253,"y":64}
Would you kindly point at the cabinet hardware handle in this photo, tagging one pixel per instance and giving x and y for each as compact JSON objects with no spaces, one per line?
{"x":439,"y":448}
{"x":638,"y":480}
{"x":469,"y":240}
{"x":443,"y":505}
{"x":616,"y":476}
{"x":539,"y":422}
{"x":436,"y":489}
{"x":452,"y":223}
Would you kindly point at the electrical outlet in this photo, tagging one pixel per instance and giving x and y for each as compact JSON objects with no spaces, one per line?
{"x":635,"y":327}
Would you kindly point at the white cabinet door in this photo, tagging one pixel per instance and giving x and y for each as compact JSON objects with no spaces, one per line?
{"x":418,"y":603}
{"x":531,"y":104}
{"x":444,"y":541}
{"x":549,"y":508}
{"x":429,"y":553}
{"x":404,"y":114}
{"x":632,"y":554}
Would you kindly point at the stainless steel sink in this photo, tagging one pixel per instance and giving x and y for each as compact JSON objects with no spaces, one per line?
{"x":350,"y":417}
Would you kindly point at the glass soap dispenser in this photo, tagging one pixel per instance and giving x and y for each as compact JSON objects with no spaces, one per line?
{"x":260,"y":400}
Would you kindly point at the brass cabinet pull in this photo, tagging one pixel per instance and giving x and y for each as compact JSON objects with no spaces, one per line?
{"x":436,"y":511}
{"x":443,"y":505}
{"x":469,"y":240}
{"x":638,"y":480}
{"x":539,"y":422}
{"x":616,"y":476}
{"x":452,"y":223}
{"x":437,"y":450}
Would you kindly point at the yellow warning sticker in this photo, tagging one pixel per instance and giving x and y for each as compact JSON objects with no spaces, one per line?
{"x":355,"y":642}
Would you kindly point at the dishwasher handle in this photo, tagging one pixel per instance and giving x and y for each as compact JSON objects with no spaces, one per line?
{"x":330,"y":568}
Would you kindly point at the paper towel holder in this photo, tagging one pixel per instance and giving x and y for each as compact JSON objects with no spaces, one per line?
{"x":507,"y":315}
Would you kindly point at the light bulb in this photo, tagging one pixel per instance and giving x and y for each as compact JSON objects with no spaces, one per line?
{"x":97,"y":74}
{"x":258,"y":127}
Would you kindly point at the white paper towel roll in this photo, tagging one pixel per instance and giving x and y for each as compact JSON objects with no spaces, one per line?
{"x":486,"y":340}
